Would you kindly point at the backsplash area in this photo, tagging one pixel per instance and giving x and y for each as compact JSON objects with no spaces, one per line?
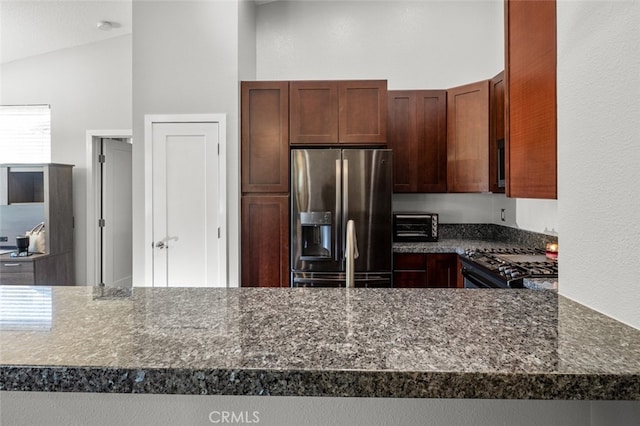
{"x":493,"y":232}
{"x":17,"y":219}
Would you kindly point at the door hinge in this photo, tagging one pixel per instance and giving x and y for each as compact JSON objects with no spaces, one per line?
{"x":101,"y":158}
{"x":101,"y":223}
{"x":218,"y":232}
{"x":218,"y":149}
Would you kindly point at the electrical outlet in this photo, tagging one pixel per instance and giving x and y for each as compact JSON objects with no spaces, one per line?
{"x":4,"y":239}
{"x":502,"y":215}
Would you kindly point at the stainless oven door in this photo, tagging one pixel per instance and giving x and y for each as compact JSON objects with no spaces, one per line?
{"x":476,"y":277}
{"x":473,"y":280}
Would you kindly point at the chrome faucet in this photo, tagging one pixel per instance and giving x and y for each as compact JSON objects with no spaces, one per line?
{"x":351,"y":253}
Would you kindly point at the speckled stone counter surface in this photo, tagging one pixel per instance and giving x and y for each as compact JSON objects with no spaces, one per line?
{"x":448,"y":245}
{"x":429,"y":343}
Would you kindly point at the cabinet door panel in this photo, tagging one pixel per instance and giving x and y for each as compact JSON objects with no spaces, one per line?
{"x":431,"y":115}
{"x":55,"y":270}
{"x":468,"y":138}
{"x":442,"y":270}
{"x":530,"y":76}
{"x":417,"y":133}
{"x":409,"y":279}
{"x":409,"y":261}
{"x":402,"y":138}
{"x":59,"y":199}
{"x":265,"y":136}
{"x":265,"y":241}
{"x":313,"y":112}
{"x":362,"y":112}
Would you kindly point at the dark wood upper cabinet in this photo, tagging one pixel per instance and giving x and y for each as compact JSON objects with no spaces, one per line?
{"x":417,"y":134}
{"x":496,"y":131}
{"x":265,"y":136}
{"x":265,"y":241}
{"x":468,"y":138}
{"x":530,"y":93}
{"x":330,"y":112}
{"x":313,"y":112}
{"x":402,"y":139}
{"x":432,"y":140}
{"x":363,"y":111}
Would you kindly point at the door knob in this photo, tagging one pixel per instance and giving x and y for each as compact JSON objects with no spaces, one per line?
{"x":160,"y":245}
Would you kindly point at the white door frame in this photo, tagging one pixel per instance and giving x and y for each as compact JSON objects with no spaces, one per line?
{"x":149,"y":120}
{"x":93,"y":200}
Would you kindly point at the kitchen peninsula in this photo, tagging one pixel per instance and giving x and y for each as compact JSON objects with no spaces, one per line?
{"x":415,"y":343}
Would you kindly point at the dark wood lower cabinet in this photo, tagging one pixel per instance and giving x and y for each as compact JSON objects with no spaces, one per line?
{"x":442,"y":270}
{"x":434,"y":270}
{"x":265,"y":241}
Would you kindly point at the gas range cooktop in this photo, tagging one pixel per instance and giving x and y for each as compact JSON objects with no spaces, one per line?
{"x":507,"y":267}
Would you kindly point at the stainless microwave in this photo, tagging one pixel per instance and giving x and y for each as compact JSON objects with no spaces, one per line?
{"x":415,"y":227}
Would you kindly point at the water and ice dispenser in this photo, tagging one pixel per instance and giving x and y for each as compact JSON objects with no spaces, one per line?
{"x":316,"y":235}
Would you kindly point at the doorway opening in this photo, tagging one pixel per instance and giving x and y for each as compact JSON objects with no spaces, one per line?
{"x":109,"y":208}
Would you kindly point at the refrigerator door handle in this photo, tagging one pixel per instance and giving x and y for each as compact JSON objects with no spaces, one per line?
{"x":338,"y":219}
{"x":345,"y":205}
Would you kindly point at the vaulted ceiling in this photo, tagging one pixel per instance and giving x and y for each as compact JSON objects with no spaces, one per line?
{"x":29,"y":28}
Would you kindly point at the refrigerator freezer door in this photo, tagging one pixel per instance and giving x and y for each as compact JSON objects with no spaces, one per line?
{"x":367,"y":190}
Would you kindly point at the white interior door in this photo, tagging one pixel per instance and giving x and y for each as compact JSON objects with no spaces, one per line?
{"x":116,"y":209}
{"x":186,"y":228}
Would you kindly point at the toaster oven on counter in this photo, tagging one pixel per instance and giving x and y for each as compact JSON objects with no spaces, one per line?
{"x":415,"y":227}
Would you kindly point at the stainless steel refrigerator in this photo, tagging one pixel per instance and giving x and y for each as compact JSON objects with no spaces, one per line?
{"x":328,"y":188}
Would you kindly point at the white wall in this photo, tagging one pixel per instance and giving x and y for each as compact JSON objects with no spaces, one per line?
{"x":88,"y":87}
{"x":92,"y":409}
{"x":414,"y":45}
{"x":185,"y":62}
{"x":247,"y":41}
{"x":598,"y":155}
{"x":431,"y":44}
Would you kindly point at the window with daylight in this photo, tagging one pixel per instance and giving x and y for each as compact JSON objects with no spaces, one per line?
{"x":25,"y":134}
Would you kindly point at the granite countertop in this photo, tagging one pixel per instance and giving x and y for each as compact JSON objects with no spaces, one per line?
{"x":450,"y":245}
{"x":426,"y":343}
